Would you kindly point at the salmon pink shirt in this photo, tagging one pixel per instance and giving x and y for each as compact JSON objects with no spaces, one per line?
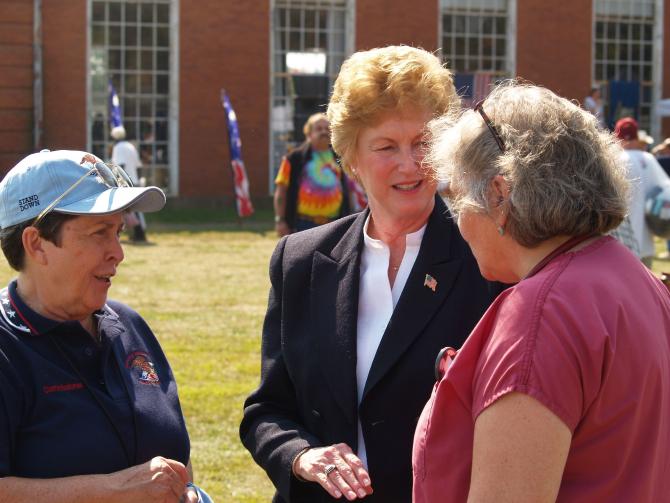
{"x":588,"y":336}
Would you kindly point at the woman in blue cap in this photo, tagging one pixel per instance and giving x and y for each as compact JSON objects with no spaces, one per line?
{"x":88,"y":404}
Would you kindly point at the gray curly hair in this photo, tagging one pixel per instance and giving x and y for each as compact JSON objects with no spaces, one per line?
{"x":564,"y":173}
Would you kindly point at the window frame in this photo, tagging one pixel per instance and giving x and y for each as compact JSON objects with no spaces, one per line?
{"x":164,"y":174}
{"x":614,"y":13}
{"x":281,"y":100}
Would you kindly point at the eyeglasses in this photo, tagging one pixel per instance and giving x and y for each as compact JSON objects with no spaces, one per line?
{"x":479,"y":107}
{"x":111,"y":175}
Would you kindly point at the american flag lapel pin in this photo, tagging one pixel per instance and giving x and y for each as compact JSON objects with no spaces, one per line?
{"x":430,"y":282}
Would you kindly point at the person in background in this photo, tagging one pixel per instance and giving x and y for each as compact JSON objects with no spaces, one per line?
{"x":645,"y":173}
{"x":593,"y":104}
{"x":360,"y":307}
{"x":645,"y":141}
{"x":89,"y":409}
{"x":561,"y":392}
{"x":125,"y":154}
{"x":310,"y":188}
{"x":662,"y":154}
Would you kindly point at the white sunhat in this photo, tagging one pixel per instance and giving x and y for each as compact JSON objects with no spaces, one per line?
{"x":40,"y":179}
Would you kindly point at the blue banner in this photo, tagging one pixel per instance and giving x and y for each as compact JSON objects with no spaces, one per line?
{"x":114,"y":107}
{"x":624,"y":100}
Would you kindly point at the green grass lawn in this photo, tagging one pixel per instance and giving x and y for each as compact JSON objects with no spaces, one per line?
{"x":203,"y":290}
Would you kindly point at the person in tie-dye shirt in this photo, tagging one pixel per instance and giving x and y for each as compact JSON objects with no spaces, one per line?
{"x":310,"y":188}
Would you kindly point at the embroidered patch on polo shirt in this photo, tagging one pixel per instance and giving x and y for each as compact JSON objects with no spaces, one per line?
{"x":138,"y":362}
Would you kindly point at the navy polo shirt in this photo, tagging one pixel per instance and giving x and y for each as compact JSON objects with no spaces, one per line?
{"x":51,"y":425}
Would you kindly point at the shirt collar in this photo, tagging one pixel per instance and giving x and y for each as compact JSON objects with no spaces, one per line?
{"x":413,"y":239}
{"x":20,"y":316}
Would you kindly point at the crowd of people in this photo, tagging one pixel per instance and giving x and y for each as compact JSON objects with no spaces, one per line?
{"x":504,"y":340}
{"x":647,"y":172}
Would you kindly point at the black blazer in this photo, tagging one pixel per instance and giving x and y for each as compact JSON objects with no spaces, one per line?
{"x":307,"y":395}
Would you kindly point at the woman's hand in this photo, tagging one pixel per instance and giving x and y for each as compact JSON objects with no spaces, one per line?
{"x":337,"y":469}
{"x":158,"y":480}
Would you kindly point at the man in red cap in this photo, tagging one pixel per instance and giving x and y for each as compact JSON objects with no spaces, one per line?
{"x":645,"y":173}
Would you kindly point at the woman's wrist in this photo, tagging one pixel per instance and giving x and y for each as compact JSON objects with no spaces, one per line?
{"x":190,"y":486}
{"x":294,"y":464}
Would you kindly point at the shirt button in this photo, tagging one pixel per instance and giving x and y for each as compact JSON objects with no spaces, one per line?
{"x":88,"y":351}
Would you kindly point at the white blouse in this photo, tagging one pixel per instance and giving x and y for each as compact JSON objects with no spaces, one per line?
{"x":376,"y":302}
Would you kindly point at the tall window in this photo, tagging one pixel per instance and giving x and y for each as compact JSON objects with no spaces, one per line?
{"x":475,"y":43}
{"x":130,"y":44}
{"x":624,"y":56}
{"x":310,"y":41}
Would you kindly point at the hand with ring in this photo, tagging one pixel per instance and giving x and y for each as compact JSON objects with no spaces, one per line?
{"x":337,"y":469}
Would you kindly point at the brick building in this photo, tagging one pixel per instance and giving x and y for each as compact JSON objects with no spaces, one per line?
{"x":169,"y":60}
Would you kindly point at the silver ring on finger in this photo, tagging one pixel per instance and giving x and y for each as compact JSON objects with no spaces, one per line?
{"x":328,"y":469}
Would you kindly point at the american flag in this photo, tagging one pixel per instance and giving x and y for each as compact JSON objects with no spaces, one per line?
{"x":473,"y":87}
{"x":430,"y":282}
{"x":482,"y":86}
{"x":240,"y":180}
{"x":114,"y":107}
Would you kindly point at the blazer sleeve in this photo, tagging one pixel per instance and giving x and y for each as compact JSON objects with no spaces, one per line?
{"x":271,"y":428}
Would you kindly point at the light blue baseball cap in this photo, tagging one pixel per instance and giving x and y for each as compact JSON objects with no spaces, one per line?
{"x":39,"y":179}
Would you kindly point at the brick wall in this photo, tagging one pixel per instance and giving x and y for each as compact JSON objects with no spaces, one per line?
{"x":223,"y":43}
{"x":16,"y":81}
{"x":64,"y":69}
{"x":554,"y":45}
{"x":387,"y":22}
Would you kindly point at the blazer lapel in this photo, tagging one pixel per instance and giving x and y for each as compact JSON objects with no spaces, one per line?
{"x":418,"y":302}
{"x":334,"y":290}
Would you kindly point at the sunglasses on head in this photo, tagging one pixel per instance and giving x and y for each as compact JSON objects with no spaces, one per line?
{"x":479,"y":107}
{"x":111,"y":175}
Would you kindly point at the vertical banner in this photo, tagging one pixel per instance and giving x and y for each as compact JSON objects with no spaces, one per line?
{"x":240,"y":180}
{"x":624,"y":100}
{"x":114,"y":107}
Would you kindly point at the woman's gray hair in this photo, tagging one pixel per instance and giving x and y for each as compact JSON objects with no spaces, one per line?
{"x":564,"y":172}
